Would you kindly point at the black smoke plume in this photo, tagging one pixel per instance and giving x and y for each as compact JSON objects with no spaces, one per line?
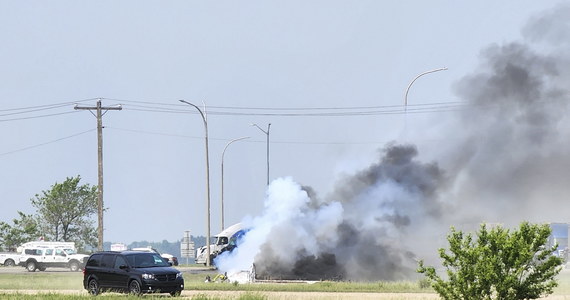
{"x":508,"y":162}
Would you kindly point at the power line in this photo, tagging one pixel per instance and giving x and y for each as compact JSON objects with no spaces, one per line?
{"x":347,"y":111}
{"x":37,"y":117}
{"x":48,"y":106}
{"x":313,"y":112}
{"x":432,"y":107}
{"x":290,"y":108}
{"x":184,"y":136}
{"x":46,"y":143}
{"x":174,"y":108}
{"x":29,"y":110}
{"x":245,"y":141}
{"x":36,"y":109}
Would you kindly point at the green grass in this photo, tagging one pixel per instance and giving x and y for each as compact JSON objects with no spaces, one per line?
{"x":42,"y":281}
{"x":55,"y":296}
{"x":246,"y":296}
{"x":73,"y":281}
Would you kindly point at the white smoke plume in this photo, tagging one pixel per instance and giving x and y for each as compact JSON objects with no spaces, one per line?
{"x":511,"y":164}
{"x":355,"y":233}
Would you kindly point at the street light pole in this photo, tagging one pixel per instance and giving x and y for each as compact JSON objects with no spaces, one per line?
{"x":223,"y":153}
{"x":208,"y":263}
{"x":266,"y":133}
{"x":412,"y":82}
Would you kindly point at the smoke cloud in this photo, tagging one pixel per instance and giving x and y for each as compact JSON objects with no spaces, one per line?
{"x":510,"y":164}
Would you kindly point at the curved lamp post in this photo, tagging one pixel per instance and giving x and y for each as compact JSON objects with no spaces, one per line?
{"x":207,"y":179}
{"x":266,"y":133}
{"x":412,"y":82}
{"x":223,"y":153}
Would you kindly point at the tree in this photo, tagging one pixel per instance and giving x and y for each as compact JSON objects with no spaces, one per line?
{"x":65,"y":212}
{"x":23,"y":230}
{"x":499,"y":264}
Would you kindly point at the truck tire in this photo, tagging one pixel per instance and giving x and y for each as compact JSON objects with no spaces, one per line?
{"x":74,"y":266}
{"x":9,"y":263}
{"x":31,"y":266}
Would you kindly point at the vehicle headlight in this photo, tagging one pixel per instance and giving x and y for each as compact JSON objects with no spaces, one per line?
{"x":147,"y":276}
{"x":179,"y":275}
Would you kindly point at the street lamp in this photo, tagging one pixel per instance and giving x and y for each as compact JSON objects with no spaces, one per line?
{"x":266,"y":133}
{"x":412,"y":82}
{"x":224,"y":152}
{"x":207,"y":178}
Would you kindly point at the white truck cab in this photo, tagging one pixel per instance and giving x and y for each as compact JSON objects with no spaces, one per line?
{"x":222,"y":241}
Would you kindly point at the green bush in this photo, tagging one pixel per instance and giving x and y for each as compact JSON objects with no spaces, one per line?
{"x":498,"y":264}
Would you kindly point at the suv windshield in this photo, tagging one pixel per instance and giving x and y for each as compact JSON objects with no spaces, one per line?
{"x":146,"y":260}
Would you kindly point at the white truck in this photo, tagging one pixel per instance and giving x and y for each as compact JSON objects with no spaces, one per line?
{"x":9,"y":259}
{"x":222,"y":241}
{"x":41,"y":255}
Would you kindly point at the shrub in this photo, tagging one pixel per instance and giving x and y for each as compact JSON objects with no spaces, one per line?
{"x":498,"y":264}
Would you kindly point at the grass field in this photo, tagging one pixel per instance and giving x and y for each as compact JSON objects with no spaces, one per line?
{"x":74,"y":281}
{"x":68,"y":285}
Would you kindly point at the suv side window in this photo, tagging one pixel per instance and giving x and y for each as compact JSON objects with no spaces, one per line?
{"x":108,"y":260}
{"x":94,"y":261}
{"x":59,"y":252}
{"x":49,"y":252}
{"x":120,"y":261}
{"x":33,"y":251}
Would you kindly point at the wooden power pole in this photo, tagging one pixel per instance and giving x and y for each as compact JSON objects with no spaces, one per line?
{"x":99,"y":115}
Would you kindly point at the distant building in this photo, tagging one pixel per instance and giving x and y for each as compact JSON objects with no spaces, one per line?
{"x":118,"y":247}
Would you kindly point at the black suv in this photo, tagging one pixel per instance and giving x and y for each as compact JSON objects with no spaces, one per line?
{"x":135,"y":272}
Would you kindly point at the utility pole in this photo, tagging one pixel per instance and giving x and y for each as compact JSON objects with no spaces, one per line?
{"x":99,"y":116}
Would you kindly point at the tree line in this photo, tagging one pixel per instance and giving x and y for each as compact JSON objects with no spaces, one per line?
{"x":67,"y":213}
{"x":63,"y":214}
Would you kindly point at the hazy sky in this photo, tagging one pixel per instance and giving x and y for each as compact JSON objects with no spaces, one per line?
{"x":303,"y":66}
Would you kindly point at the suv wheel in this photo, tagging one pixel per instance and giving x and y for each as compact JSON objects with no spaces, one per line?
{"x":134,"y":288}
{"x":93,"y":287}
{"x":31,"y":266}
{"x":74,"y":266}
{"x":9,"y":263}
